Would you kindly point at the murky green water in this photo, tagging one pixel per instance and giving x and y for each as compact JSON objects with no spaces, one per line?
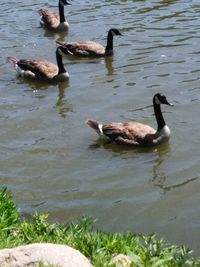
{"x":51,"y":161}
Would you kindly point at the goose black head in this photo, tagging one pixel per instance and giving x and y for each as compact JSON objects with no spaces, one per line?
{"x":161,"y":99}
{"x":62,"y":50}
{"x":115,"y":31}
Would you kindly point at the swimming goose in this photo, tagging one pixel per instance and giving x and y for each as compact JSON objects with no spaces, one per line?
{"x":90,"y":48}
{"x":135,"y":133}
{"x":54,"y":21}
{"x":41,"y":70}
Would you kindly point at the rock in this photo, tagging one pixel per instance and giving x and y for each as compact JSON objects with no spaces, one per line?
{"x":122,"y":260}
{"x":48,"y":254}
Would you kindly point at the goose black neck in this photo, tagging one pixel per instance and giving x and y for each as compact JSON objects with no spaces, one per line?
{"x":109,"y":45}
{"x":61,"y":68}
{"x":61,"y":12}
{"x":159,"y":117}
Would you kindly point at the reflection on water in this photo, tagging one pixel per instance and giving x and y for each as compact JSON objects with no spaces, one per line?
{"x":156,"y":6}
{"x":40,"y":85}
{"x":109,"y":65}
{"x":60,"y":36}
{"x":167,"y":188}
{"x":62,"y":104}
{"x":159,"y":176}
{"x":122,"y":149}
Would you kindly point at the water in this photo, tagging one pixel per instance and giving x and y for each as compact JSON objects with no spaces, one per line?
{"x":52,"y":162}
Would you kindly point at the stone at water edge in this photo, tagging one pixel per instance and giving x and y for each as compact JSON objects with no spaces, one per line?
{"x":47,"y":253}
{"x":122,"y":260}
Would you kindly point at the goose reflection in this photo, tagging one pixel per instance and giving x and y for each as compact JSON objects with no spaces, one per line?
{"x":156,"y":6}
{"x":37,"y":86}
{"x":38,"y":89}
{"x":123,"y":149}
{"x":55,"y":35}
{"x":154,"y":156}
{"x":109,"y":65}
{"x":62,"y":105}
{"x":159,"y":176}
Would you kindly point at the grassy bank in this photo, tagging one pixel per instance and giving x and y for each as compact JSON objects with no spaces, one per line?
{"x":98,"y":246}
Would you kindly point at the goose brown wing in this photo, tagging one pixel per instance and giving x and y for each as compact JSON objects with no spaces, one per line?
{"x":39,"y":67}
{"x":85,"y":48}
{"x":128,"y":133}
{"x":50,"y":19}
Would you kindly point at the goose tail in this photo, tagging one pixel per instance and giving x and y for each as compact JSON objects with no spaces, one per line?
{"x":12,"y":60}
{"x":41,"y":12}
{"x":67,"y":47}
{"x":95,"y":125}
{"x":60,"y":43}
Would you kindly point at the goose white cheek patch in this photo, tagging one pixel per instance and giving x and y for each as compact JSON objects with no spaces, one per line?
{"x":20,"y":72}
{"x":100,"y":128}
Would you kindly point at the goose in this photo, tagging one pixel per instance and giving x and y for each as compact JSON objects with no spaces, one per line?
{"x":41,"y":70}
{"x":54,"y":21}
{"x":133,"y":133}
{"x":90,"y":48}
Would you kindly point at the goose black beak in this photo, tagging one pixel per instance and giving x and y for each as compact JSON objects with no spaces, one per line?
{"x":169,"y":104}
{"x":67,"y":3}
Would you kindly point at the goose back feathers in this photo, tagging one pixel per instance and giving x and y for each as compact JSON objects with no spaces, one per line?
{"x":54,"y":21}
{"x":135,"y":133}
{"x":41,"y":70}
{"x":90,"y":48}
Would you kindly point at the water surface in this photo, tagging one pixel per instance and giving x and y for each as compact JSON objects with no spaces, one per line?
{"x":52,"y":162}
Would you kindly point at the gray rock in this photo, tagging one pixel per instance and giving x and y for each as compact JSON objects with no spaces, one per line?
{"x":48,"y":254}
{"x":122,"y":260}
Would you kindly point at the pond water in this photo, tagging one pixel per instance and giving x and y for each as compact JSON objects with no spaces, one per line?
{"x":51,"y":161}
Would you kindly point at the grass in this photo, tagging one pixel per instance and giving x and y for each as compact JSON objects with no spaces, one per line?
{"x":98,"y":246}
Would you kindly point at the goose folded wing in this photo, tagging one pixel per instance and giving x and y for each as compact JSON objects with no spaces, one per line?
{"x":49,"y":18}
{"x":85,"y":48}
{"x":114,"y":130}
{"x":130,"y":133}
{"x":39,"y":67}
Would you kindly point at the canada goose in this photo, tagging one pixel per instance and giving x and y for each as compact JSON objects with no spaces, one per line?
{"x":90,"y":48}
{"x":135,"y":133}
{"x":54,"y":21}
{"x":41,"y":70}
